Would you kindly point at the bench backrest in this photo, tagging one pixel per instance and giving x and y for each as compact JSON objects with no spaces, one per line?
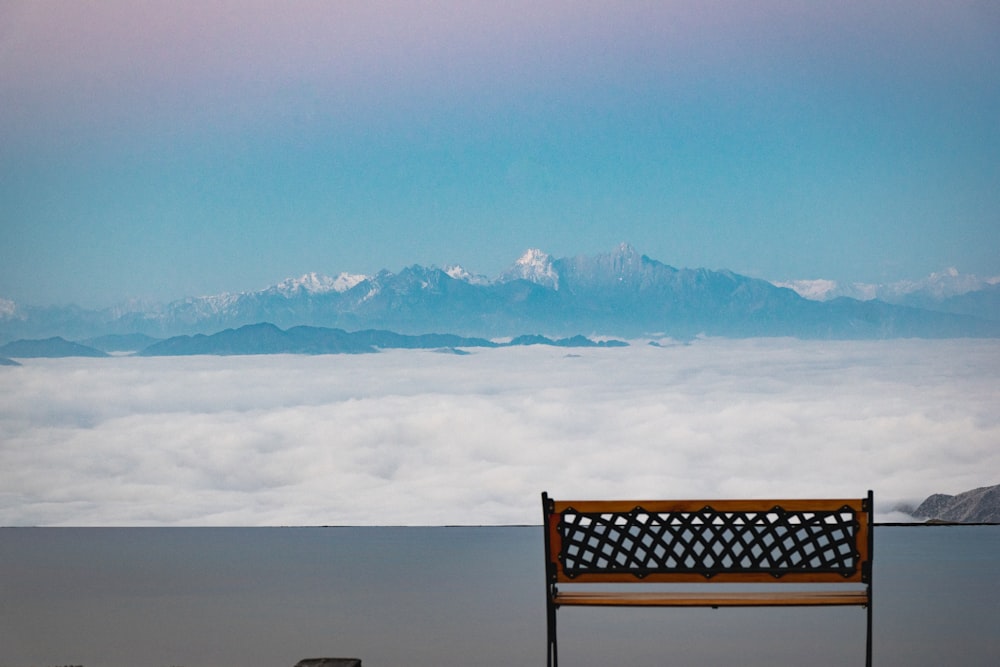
{"x":634,"y":541}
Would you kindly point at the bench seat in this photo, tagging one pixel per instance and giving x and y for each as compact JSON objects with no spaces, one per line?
{"x":709,"y":554}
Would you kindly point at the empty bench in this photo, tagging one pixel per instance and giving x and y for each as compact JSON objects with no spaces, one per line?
{"x":606,"y":553}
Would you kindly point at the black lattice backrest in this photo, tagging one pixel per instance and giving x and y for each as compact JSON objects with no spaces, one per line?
{"x":823,"y":540}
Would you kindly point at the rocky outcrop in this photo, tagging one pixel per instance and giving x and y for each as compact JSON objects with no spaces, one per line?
{"x":980,"y":505}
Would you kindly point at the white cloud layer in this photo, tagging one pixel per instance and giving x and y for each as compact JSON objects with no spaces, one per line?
{"x":418,"y":438}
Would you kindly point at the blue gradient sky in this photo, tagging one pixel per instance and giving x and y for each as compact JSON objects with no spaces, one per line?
{"x":159,"y":150}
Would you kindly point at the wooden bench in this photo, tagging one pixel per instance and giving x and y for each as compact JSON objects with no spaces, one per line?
{"x":606,"y":553}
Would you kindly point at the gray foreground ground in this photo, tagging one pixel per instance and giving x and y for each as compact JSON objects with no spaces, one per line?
{"x":446,"y":597}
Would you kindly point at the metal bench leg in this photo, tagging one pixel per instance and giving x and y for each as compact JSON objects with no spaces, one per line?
{"x":868,"y":641}
{"x":553,"y":645}
{"x":870,"y":507}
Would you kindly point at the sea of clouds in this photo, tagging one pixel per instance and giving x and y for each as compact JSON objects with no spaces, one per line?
{"x":415,"y":437}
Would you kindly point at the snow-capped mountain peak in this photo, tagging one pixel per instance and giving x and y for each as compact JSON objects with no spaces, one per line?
{"x":311,"y":283}
{"x":345,"y":281}
{"x":626,"y":252}
{"x":819,"y":289}
{"x":460,"y":273}
{"x":534,"y":266}
{"x":315,"y":283}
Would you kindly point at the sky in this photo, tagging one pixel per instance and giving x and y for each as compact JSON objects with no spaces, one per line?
{"x":412,"y":437}
{"x":159,"y":150}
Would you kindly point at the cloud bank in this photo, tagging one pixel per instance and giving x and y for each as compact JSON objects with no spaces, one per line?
{"x":417,"y":438}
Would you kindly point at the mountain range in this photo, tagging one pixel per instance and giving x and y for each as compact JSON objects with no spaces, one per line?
{"x":265,"y":338}
{"x":621,"y":293}
{"x":948,"y":291}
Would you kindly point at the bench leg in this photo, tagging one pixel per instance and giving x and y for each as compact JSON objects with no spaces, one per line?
{"x":868,"y":641}
{"x":552,"y":646}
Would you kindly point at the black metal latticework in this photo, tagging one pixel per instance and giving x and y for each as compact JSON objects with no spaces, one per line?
{"x":709,"y":542}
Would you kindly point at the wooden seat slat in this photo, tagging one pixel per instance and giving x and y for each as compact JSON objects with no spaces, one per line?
{"x":697,"y":599}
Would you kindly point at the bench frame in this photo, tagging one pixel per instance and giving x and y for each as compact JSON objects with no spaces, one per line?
{"x":827,"y":543}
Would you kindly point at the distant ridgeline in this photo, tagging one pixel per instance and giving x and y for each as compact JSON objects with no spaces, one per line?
{"x":621,"y":294}
{"x":266,"y":338}
{"x":980,"y":505}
